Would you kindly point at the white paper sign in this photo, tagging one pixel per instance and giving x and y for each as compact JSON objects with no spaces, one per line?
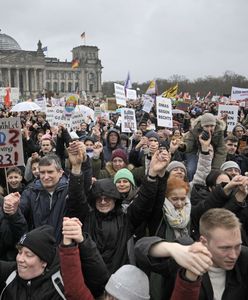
{"x":55,"y":116}
{"x":128,"y":120}
{"x":42,"y":103}
{"x":239,"y":93}
{"x":232,"y":112}
{"x":76,"y":119}
{"x":148,"y":103}
{"x":11,"y":150}
{"x":120,"y":94}
{"x":164,"y":112}
{"x":131,"y":94}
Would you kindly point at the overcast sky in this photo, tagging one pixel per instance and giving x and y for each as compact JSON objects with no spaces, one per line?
{"x":149,"y":38}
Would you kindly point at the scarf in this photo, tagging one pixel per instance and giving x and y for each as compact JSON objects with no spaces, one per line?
{"x":177,"y":219}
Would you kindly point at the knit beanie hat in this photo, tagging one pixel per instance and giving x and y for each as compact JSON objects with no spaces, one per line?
{"x":126,"y":174}
{"x":128,"y":282}
{"x":176,"y":164}
{"x":120,"y":153}
{"x":208,"y":119}
{"x":152,"y":134}
{"x":230,"y":164}
{"x":41,"y":241}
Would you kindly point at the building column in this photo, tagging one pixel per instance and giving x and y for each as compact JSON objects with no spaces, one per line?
{"x":27,"y":80}
{"x":17,"y":78}
{"x":1,"y":77}
{"x":35,"y":80}
{"x":9,"y":77}
{"x":44,"y":79}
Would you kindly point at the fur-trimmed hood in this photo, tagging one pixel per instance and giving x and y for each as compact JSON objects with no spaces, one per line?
{"x":196,"y":124}
{"x":109,"y":168}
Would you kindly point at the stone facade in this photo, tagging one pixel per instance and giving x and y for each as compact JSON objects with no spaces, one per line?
{"x":33,"y":73}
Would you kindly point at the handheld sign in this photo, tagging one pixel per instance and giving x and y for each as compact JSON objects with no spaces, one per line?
{"x":164,"y":112}
{"x":11,"y":150}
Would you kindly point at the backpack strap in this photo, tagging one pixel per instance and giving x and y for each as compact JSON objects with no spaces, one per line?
{"x":58,"y":284}
{"x":8,"y":281}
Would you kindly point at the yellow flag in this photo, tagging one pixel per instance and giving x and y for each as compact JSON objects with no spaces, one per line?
{"x":171,"y":92}
{"x":151,"y":88}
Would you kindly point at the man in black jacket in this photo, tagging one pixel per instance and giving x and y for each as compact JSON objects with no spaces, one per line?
{"x":220,"y":233}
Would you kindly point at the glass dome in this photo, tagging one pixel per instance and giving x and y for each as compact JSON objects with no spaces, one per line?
{"x":8,"y":43}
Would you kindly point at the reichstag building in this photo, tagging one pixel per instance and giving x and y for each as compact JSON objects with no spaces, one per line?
{"x":34,"y":73}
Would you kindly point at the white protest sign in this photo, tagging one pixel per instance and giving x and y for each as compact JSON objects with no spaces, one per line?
{"x":76,"y":119}
{"x":55,"y":116}
{"x":42,"y":103}
{"x":11,"y":150}
{"x":239,"y":93}
{"x":118,"y":123}
{"x":98,"y":111}
{"x":232,"y":115}
{"x":87,"y":112}
{"x":164,"y":112}
{"x":148,"y":103}
{"x":120,"y":94}
{"x":128,"y":120}
{"x":131,"y":94}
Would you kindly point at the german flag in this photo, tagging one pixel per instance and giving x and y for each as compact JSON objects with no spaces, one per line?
{"x":75,"y":63}
{"x":171,"y":92}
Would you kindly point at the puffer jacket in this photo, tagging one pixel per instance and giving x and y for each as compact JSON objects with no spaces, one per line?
{"x":35,"y":205}
{"x":191,"y":140}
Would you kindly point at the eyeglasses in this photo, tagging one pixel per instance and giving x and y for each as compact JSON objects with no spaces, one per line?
{"x":103,"y":198}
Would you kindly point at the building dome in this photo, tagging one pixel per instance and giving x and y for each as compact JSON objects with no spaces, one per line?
{"x":8,"y":43}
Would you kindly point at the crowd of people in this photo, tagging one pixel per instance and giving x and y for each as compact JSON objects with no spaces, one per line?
{"x":159,"y":213}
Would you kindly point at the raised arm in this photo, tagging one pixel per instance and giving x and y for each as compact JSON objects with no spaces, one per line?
{"x":77,"y":205}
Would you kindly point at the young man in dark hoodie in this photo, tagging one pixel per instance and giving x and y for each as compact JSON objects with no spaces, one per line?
{"x":112,"y":142}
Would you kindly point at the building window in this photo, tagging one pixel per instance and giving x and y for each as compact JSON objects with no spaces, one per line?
{"x":91,"y":88}
{"x":62,"y":88}
{"x":70,"y":76}
{"x":69,"y":87}
{"x":55,"y":87}
{"x":48,"y":86}
{"x":62,"y":75}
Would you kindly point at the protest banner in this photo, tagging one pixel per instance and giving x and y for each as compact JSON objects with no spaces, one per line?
{"x":164,"y":112}
{"x":131,"y":94}
{"x":11,"y":150}
{"x":239,"y":93}
{"x":232,"y":115}
{"x":128,"y":120}
{"x":148,"y":103}
{"x":120,"y":94}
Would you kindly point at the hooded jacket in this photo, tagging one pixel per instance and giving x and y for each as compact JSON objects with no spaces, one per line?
{"x":107,"y":150}
{"x":111,"y":231}
{"x":191,"y":140}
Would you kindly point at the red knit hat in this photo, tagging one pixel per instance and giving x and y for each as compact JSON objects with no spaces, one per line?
{"x":120,"y":153}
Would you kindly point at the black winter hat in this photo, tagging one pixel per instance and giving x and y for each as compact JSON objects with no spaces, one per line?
{"x":41,"y":241}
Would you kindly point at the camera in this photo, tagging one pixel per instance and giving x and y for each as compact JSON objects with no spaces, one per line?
{"x":205,"y":135}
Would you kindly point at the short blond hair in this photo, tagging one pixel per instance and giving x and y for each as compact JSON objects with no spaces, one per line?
{"x":218,"y":218}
